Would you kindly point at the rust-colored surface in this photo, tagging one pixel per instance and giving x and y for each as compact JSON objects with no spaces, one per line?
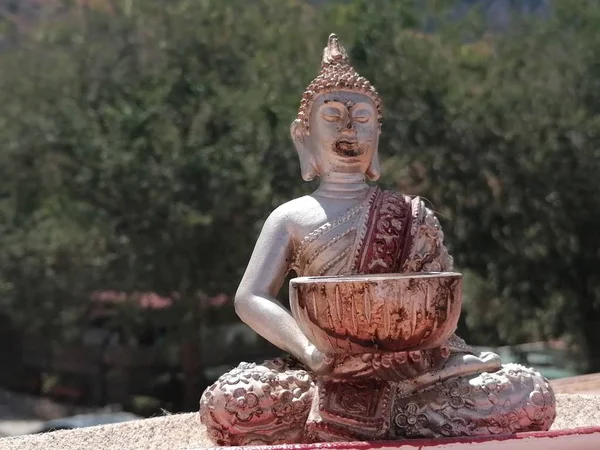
{"x":390,"y":312}
{"x":388,"y":236}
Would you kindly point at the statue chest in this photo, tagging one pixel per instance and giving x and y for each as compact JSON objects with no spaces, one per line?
{"x":374,"y":236}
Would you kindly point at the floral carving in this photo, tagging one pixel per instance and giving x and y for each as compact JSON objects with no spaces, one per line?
{"x":410,"y":420}
{"x":244,"y":405}
{"x":269,"y":378}
{"x":283,"y":408}
{"x":303,"y":378}
{"x":241,"y":374}
{"x":384,"y":245}
{"x":503,"y":420}
{"x":457,"y":393}
{"x":290,"y":408}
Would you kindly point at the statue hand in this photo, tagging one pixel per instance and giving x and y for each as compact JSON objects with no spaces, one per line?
{"x":319,"y":362}
{"x":400,"y":365}
{"x":391,"y":366}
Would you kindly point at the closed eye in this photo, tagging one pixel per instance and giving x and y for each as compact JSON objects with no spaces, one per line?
{"x":361,"y":115}
{"x":331,"y":117}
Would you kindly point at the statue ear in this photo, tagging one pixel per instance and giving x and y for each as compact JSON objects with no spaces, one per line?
{"x":374,"y":169}
{"x":307,"y":160}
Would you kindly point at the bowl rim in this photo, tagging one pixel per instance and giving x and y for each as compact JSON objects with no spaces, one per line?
{"x":373,"y":277}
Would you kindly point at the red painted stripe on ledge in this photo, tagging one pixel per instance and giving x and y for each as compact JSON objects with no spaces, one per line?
{"x":424,"y":443}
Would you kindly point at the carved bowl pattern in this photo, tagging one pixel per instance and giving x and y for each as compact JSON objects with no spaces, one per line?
{"x":367,"y":313}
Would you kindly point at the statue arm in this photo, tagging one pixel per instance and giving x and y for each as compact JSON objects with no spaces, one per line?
{"x":255,"y":301}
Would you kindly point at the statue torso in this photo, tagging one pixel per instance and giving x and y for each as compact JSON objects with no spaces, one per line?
{"x":326,"y":236}
{"x":382,"y":232}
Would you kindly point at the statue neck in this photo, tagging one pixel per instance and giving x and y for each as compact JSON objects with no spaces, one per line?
{"x":342,"y":185}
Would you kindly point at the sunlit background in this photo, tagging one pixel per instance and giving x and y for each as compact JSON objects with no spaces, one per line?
{"x":143,"y":143}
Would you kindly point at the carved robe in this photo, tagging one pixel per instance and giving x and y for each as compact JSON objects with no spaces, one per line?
{"x":386,"y":233}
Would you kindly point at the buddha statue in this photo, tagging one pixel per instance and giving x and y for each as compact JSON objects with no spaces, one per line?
{"x":349,"y":227}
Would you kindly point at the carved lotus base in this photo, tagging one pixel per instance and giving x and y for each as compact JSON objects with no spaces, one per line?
{"x":276,"y":403}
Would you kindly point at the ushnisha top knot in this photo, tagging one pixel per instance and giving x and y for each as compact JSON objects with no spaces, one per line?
{"x":337,"y":74}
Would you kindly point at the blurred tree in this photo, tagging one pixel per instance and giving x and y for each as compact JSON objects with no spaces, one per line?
{"x":142,"y":144}
{"x":500,"y":133}
{"x":144,"y":148}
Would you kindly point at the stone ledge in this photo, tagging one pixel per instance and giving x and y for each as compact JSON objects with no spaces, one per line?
{"x":183,"y":431}
{"x":578,"y":439}
{"x":581,"y":384}
{"x":177,"y":431}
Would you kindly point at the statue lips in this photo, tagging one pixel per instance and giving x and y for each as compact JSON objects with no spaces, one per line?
{"x":347,"y":147}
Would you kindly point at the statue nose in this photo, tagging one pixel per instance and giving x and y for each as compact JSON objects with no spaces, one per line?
{"x":348,"y":132}
{"x":349,"y":125}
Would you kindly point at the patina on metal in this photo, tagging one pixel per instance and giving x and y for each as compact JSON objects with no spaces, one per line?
{"x":373,"y":354}
{"x":386,"y":312}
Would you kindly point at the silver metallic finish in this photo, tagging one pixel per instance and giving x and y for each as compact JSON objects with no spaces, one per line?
{"x":363,"y":365}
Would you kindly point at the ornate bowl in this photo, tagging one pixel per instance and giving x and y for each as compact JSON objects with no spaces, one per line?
{"x":369,"y":313}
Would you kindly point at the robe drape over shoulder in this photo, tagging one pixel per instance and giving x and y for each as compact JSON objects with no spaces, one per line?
{"x":386,"y":233}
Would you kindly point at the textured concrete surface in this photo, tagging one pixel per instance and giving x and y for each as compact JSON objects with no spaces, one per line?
{"x":183,"y":431}
{"x":582,"y":384}
{"x":577,"y":439}
{"x":178,"y":431}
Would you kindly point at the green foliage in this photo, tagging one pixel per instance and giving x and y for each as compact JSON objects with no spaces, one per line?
{"x":142,"y":146}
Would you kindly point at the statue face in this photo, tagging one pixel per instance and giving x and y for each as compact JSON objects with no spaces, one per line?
{"x":344,"y":132}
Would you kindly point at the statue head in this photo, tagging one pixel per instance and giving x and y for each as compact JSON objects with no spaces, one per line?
{"x":339,"y":120}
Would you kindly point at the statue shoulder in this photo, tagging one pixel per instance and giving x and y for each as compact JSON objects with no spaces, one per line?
{"x":419,"y":211}
{"x":285,"y":216}
{"x":427,"y":216}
